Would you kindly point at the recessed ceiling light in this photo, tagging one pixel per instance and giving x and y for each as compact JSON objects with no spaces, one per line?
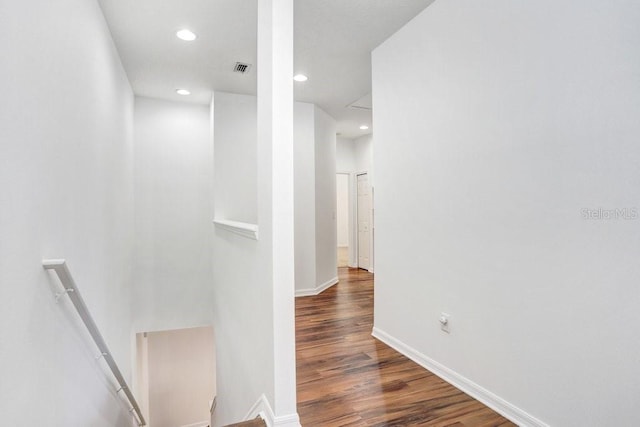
{"x":183,"y":92}
{"x":300,"y":78}
{"x":364,"y":127}
{"x":186,"y":35}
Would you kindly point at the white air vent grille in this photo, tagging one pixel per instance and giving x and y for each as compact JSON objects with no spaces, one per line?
{"x":241,"y":68}
{"x":364,"y":103}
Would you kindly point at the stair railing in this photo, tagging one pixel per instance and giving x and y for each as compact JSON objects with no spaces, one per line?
{"x":71,"y":289}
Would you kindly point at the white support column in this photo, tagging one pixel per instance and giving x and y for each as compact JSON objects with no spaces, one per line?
{"x":275,"y":204}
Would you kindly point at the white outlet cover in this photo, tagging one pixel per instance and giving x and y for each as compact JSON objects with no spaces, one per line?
{"x":444,"y":322}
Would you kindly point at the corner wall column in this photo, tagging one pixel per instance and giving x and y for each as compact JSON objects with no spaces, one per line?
{"x":275,"y":207}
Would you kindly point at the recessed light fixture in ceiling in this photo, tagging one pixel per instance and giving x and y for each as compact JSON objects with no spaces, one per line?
{"x":183,"y":92}
{"x":186,"y":35}
{"x":300,"y":78}
{"x":364,"y":127}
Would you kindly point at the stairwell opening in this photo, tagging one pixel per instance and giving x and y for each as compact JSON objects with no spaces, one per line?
{"x":176,"y":378}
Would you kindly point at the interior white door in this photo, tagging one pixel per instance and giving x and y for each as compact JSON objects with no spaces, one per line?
{"x":364,"y":218}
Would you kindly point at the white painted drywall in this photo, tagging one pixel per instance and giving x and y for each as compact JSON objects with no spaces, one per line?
{"x":242,"y":298}
{"x":235,"y":115}
{"x":173,"y":210}
{"x":515,"y":117}
{"x":254,"y":292}
{"x":181,"y":369}
{"x":345,"y":155}
{"x":276,"y":194}
{"x":236,"y":177}
{"x":363,"y":155}
{"x":325,"y":188}
{"x":342,"y":209}
{"x":304,"y":196}
{"x":66,"y":172}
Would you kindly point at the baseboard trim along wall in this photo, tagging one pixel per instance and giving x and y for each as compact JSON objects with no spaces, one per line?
{"x":479,"y":393}
{"x":262,"y":408}
{"x":199,"y":424}
{"x":318,"y":289}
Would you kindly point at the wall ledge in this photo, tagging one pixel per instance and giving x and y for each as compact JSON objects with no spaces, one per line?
{"x":498,"y":404}
{"x":244,"y":229}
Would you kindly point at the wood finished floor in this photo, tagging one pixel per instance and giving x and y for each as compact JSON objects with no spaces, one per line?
{"x":348,"y":378}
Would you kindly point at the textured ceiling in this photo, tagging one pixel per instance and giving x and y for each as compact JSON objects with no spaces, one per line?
{"x":333,"y":42}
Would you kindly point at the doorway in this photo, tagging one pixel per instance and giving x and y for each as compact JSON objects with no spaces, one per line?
{"x":342,"y":218}
{"x":176,"y":376}
{"x":364,"y":221}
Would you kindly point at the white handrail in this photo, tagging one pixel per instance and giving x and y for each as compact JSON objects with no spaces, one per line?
{"x":70,"y":288}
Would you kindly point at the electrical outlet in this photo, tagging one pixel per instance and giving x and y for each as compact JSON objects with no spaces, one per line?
{"x":444,"y":322}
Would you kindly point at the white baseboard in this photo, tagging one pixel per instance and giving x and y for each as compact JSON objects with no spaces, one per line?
{"x":199,"y":424}
{"x":326,"y":285}
{"x":262,"y":409}
{"x":474,"y":390}
{"x":291,"y":420}
{"x":317,"y":290}
{"x":306,"y":292}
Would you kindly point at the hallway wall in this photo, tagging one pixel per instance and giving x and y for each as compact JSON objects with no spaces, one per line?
{"x":243,"y":290}
{"x":516,"y":118}
{"x":345,"y":155}
{"x":66,"y":172}
{"x":314,"y":185}
{"x":363,"y":150}
{"x":173,"y":178}
{"x":325,"y":194}
{"x":236,"y":180}
{"x":304,"y":195}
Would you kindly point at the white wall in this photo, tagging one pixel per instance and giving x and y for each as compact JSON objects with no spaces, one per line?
{"x":515,"y":117}
{"x":173,"y":210}
{"x":325,"y":188}
{"x":363,"y":155}
{"x":242,"y":292}
{"x":66,"y":172}
{"x":255,"y":279}
{"x":235,"y":129}
{"x":181,"y":373}
{"x":236,"y":182}
{"x":345,"y":155}
{"x":304,"y":195}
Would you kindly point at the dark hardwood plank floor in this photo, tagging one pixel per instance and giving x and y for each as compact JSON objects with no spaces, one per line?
{"x":348,"y":378}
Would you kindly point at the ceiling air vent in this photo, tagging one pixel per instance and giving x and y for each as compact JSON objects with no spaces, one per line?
{"x":241,"y":68}
{"x":364,"y":103}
